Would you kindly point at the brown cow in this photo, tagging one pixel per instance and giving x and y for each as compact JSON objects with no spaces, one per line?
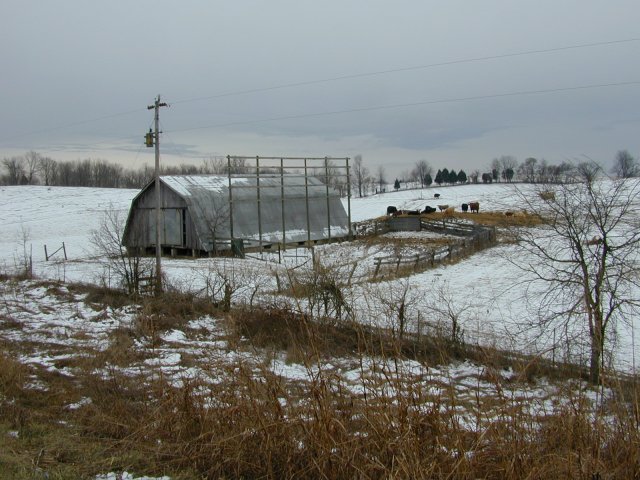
{"x":474,"y":207}
{"x":547,"y":195}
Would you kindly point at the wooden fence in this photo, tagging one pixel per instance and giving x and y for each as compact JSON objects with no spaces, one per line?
{"x":470,"y":239}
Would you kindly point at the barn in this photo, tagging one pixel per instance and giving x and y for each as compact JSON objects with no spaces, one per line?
{"x":210,"y":214}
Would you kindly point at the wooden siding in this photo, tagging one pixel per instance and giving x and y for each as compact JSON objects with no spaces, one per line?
{"x":178,"y":229}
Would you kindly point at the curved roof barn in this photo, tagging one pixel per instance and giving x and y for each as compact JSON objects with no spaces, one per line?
{"x":210,"y":213}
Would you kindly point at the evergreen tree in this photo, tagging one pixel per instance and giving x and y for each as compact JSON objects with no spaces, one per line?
{"x":438,"y":179}
{"x":428,"y":180}
{"x":462,"y":176}
{"x":453,"y":177}
{"x":508,"y":174}
{"x":445,"y":175}
{"x":396,"y":184}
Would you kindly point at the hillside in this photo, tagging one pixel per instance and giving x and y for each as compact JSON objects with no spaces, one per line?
{"x":256,"y":367}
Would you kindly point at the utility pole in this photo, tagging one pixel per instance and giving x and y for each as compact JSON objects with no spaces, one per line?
{"x":152,"y":139}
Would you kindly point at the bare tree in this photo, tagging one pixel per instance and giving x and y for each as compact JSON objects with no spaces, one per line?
{"x":542,"y":171}
{"x":381,"y":179}
{"x":420,"y":171}
{"x":15,"y":170}
{"x":449,"y":312}
{"x":216,"y":216}
{"x":32,"y":164}
{"x":625,"y":165}
{"x":496,"y":169}
{"x":360,"y":174}
{"x":48,"y":169}
{"x":586,"y":257}
{"x":527,"y":170}
{"x":396,"y":306}
{"x":127,"y":265}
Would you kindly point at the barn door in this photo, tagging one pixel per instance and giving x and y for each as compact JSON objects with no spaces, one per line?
{"x":172,"y":226}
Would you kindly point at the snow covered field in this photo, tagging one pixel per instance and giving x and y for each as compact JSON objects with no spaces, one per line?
{"x":484,"y":290}
{"x":60,"y":331}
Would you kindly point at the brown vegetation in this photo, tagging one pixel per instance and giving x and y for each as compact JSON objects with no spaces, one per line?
{"x":251,"y":423}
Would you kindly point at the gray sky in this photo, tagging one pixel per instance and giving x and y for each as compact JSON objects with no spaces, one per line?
{"x":77,"y":77}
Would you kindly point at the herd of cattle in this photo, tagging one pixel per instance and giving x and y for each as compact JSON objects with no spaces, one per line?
{"x":445,"y":209}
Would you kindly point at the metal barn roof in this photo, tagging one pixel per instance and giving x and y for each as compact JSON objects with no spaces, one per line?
{"x":269,"y":208}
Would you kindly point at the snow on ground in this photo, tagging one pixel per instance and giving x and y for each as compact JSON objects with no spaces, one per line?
{"x":126,"y":476}
{"x":485,"y":289}
{"x":52,"y":215}
{"x":61,"y":332}
{"x":491,"y":197}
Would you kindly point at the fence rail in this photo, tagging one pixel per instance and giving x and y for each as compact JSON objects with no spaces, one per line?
{"x":471,"y":238}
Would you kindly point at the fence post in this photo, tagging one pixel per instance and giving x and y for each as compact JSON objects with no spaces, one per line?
{"x":352,"y":272}
{"x":375,"y":273}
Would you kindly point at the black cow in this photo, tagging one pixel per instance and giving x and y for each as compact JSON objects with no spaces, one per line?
{"x":428,"y":209}
{"x":391,"y":210}
{"x":465,"y":207}
{"x":436,"y":195}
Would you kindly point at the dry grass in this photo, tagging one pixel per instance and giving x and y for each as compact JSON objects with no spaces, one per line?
{"x":251,"y":423}
{"x":499,"y":219}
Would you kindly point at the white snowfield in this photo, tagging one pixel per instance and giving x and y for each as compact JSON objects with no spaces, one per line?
{"x":485,"y":290}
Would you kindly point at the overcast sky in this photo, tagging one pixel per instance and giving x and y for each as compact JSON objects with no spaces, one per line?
{"x":396,"y":82}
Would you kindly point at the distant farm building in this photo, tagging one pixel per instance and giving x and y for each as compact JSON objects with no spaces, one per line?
{"x":209,"y":214}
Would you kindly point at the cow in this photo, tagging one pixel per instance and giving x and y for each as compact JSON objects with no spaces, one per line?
{"x":436,"y":195}
{"x":547,"y":195}
{"x":474,"y":207}
{"x":442,"y":207}
{"x":428,"y":209}
{"x":465,"y":207}
{"x":595,"y":241}
{"x":411,"y":212}
{"x":449,"y":211}
{"x":391,"y":210}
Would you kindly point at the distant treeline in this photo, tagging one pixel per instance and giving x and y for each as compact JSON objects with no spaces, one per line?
{"x":35,"y":169}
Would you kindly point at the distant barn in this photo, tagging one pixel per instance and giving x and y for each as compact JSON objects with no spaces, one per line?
{"x":209,"y":214}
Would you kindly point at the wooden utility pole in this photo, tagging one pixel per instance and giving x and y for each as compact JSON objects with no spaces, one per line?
{"x":155,"y":140}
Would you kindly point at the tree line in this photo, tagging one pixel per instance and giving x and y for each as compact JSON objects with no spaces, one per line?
{"x":501,"y":169}
{"x":35,"y":169}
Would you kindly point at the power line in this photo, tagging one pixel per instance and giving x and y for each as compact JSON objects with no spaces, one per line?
{"x":338,"y":78}
{"x":408,"y":69}
{"x":412,"y":104}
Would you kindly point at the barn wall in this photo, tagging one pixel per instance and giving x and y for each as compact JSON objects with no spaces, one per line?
{"x":200,"y":211}
{"x":177,"y":225}
{"x":168,"y":198}
{"x":303,"y":220}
